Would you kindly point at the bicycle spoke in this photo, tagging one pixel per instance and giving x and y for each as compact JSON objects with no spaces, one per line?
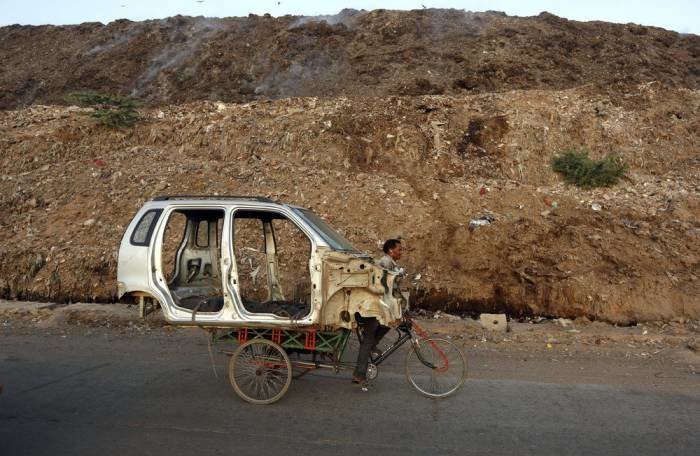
{"x":265,"y":388}
{"x":275,"y":377}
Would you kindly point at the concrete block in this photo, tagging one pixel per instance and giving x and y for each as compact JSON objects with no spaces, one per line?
{"x":494,"y":322}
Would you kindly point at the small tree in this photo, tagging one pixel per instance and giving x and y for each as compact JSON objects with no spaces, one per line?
{"x":110,"y":110}
{"x":580,"y":170}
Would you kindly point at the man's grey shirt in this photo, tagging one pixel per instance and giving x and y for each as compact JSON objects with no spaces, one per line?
{"x":388,"y":262}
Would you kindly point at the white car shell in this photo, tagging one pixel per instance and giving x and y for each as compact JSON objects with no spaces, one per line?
{"x":343,"y":283}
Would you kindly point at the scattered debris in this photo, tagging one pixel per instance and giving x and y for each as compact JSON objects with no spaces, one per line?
{"x":521,"y":263}
{"x":484,"y":220}
{"x":177,"y":70}
{"x":564,"y":322}
{"x":693,"y":345}
{"x":439,"y":315}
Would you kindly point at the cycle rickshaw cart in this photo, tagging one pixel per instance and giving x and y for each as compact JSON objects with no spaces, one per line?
{"x":279,"y":282}
{"x":266,"y":360}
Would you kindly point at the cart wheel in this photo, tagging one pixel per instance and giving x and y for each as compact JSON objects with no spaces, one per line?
{"x":260,"y":371}
{"x":435,"y":367}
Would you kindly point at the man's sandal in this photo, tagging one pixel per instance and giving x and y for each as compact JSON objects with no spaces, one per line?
{"x":364,"y":384}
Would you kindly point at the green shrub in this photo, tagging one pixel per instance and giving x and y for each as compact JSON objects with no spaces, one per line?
{"x":580,"y":170}
{"x":110,"y":110}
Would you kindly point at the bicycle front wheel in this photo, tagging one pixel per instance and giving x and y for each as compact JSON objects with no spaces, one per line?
{"x":435,"y":367}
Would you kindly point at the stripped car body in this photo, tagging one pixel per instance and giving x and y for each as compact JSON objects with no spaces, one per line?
{"x":208,"y":278}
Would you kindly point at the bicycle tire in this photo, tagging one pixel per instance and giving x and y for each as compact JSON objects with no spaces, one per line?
{"x":445,"y":371}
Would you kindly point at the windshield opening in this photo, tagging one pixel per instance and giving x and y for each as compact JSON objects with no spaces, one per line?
{"x":334,"y":239}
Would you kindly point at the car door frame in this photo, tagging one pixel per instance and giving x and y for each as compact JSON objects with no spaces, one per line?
{"x":231,"y":273}
{"x":173,"y":312}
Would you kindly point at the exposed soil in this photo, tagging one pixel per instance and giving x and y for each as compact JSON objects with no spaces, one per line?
{"x":379,"y":168}
{"x":377,"y":53}
{"x":449,"y":117}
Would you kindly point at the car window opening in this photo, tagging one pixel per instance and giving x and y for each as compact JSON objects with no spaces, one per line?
{"x":335,"y":240}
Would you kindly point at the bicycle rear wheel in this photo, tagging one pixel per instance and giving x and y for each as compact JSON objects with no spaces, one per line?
{"x":260,"y":371}
{"x":435,"y":367}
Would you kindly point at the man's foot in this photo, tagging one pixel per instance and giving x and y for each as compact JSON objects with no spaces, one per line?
{"x":362,"y":381}
{"x":364,"y":384}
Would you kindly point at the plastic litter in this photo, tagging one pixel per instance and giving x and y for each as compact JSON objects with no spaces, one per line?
{"x":596,"y":207}
{"x":565,"y":322}
{"x":484,"y":220}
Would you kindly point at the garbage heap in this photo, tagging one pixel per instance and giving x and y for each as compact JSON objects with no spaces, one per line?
{"x":465,"y":180}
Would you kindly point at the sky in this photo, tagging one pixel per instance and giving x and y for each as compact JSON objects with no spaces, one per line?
{"x":679,"y":15}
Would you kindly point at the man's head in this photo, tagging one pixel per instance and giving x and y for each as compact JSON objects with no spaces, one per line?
{"x":392,"y":247}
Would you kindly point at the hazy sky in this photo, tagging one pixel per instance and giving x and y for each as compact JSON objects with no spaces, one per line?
{"x":680,"y":15}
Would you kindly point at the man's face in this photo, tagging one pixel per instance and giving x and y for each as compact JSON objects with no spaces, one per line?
{"x":395,"y":253}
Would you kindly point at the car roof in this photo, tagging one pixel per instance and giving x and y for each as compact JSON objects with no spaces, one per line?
{"x":263,"y":199}
{"x":203,"y":200}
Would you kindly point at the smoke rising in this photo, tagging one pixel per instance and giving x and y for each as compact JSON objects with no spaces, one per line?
{"x":184,"y":40}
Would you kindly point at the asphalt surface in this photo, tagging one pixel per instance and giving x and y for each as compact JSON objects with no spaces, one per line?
{"x":115,"y":392}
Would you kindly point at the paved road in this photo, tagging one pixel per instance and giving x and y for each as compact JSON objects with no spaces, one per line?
{"x":124,"y":393}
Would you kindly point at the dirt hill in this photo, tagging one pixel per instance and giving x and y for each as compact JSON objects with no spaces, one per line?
{"x":410,"y":124}
{"x":354,"y":53}
{"x":416,"y":167}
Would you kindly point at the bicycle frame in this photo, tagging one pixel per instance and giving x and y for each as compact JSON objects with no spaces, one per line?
{"x":405,"y":334}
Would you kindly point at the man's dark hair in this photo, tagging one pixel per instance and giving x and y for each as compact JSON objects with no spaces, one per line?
{"x":390,"y":244}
